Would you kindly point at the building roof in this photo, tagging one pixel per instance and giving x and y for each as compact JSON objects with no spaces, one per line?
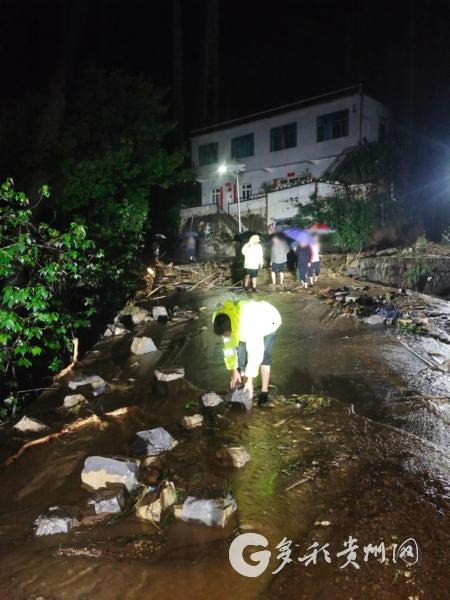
{"x":264,"y":114}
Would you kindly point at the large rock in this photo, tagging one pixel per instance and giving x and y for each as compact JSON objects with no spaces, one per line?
{"x":27,"y":424}
{"x":55,"y":520}
{"x":108,"y":501}
{"x":139,"y":316}
{"x":97,"y":384}
{"x":152,"y":442}
{"x":193,"y":421}
{"x":211,"y":399}
{"x":169,"y":373}
{"x":235,"y":456}
{"x":115,"y":329}
{"x":242,"y":397}
{"x":374,"y":320}
{"x":73,"y":401}
{"x":213,"y":512}
{"x":152,"y":506}
{"x":99,"y":472}
{"x":143,"y":345}
{"x":160,"y":313}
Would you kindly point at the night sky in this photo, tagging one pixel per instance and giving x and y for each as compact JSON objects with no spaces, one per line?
{"x":268,"y":53}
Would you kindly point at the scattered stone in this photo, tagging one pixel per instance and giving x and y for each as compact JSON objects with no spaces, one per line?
{"x":323,"y":523}
{"x":151,"y":507}
{"x":142,"y":345}
{"x":214,"y":512}
{"x":374,"y":320}
{"x":352,"y":299}
{"x":191,"y":422}
{"x":160,"y":313}
{"x":387,"y":252}
{"x":169,"y":373}
{"x":115,"y":329}
{"x":388,"y":311}
{"x":55,"y":520}
{"x":108,"y":501}
{"x":74,"y":400}
{"x":152,"y":442}
{"x":27,"y":424}
{"x":99,"y":471}
{"x":98,"y":385}
{"x":236,"y":456}
{"x":211,"y":399}
{"x":139,"y":316}
{"x":242,"y":396}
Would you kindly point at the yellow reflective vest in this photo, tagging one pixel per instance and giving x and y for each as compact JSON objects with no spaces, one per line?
{"x":251,"y":321}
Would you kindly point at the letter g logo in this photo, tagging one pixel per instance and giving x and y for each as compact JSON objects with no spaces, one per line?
{"x":262,"y":557}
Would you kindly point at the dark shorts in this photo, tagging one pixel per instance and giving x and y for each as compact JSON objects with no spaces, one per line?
{"x":278,"y":267}
{"x":315,"y":268}
{"x":251,"y":272}
{"x":303,"y":272}
{"x":267,"y":359}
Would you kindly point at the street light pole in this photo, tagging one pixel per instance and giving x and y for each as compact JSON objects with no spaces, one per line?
{"x":238,"y":201}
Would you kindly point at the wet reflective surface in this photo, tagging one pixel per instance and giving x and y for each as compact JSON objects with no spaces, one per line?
{"x":374,"y":465}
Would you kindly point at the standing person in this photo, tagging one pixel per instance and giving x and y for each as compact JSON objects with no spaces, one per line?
{"x":190,"y":248}
{"x":248,"y":329}
{"x":315,"y":259}
{"x":304,"y":256}
{"x":254,"y":260}
{"x":278,"y":259}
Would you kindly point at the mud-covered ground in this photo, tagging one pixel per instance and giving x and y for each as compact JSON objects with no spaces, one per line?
{"x":373,"y":465}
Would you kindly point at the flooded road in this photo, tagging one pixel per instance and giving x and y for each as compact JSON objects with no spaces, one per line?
{"x":374,"y":465}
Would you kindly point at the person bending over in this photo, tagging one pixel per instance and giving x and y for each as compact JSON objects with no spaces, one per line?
{"x":248,"y":329}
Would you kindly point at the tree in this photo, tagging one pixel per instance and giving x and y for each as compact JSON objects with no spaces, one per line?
{"x":48,"y":282}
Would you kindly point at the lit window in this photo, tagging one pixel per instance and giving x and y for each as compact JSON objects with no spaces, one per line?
{"x":332,"y":126}
{"x":283,"y":137}
{"x":208,"y":154}
{"x":246,"y":191}
{"x":243,"y":146}
{"x":216,"y":195}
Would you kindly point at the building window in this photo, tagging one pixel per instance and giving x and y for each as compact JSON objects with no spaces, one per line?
{"x":208,"y":154}
{"x":216,"y":196}
{"x":243,"y":146}
{"x":283,"y":137}
{"x":246,"y":191}
{"x":332,"y":126}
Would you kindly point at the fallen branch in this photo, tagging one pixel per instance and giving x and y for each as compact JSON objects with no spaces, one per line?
{"x":294,"y":485}
{"x":201,"y":281}
{"x":72,"y":364}
{"x":155,"y":290}
{"x":93,"y":419}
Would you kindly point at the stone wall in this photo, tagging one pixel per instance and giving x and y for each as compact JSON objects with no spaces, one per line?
{"x":429,"y":274}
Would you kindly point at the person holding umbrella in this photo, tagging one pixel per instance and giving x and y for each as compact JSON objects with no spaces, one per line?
{"x":254,"y":260}
{"x":303,"y":252}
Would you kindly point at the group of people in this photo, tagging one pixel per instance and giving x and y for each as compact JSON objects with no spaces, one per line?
{"x":307,"y":257}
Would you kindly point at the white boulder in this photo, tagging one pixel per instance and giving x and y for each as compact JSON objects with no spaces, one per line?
{"x":55,"y":520}
{"x":152,"y":442}
{"x":98,"y":385}
{"x":99,"y":472}
{"x":169,"y":373}
{"x":27,"y":424}
{"x":213,"y":512}
{"x":74,"y":400}
{"x":143,"y":345}
{"x":191,"y":422}
{"x":235,"y":456}
{"x":152,"y":506}
{"x":211,"y":399}
{"x":108,"y":501}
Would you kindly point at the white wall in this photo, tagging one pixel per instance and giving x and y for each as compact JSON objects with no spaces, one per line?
{"x":265,"y":166}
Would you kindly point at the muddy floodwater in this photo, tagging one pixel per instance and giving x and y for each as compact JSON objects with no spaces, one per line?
{"x":374,"y":465}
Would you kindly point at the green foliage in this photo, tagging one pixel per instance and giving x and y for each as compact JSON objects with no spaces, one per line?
{"x":113,"y":156}
{"x":48,"y":280}
{"x":354,"y":216}
{"x":414,"y":274}
{"x":310,"y":404}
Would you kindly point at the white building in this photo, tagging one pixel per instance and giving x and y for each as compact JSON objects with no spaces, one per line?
{"x":283,"y":148}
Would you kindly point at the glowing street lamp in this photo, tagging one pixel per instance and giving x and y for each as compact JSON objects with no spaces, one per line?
{"x":234,"y":168}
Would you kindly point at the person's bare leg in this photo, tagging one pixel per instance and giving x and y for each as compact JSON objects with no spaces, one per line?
{"x":274,"y":278}
{"x":281,"y":278}
{"x":265,"y":377}
{"x":254,"y":283}
{"x":246,"y":281}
